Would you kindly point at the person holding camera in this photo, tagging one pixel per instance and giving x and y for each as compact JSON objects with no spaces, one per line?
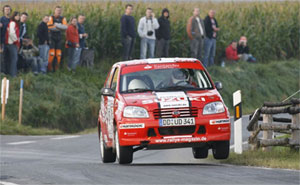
{"x":29,"y":57}
{"x":146,"y":30}
{"x":72,"y":44}
{"x":243,"y":50}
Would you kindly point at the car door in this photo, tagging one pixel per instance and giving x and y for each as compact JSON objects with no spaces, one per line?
{"x":108,"y":107}
{"x":104,"y":108}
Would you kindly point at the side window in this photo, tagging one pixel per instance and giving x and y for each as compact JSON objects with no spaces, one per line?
{"x":115,"y":79}
{"x":107,"y":83}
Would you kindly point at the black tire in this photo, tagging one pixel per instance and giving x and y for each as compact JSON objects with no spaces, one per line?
{"x":107,"y":154}
{"x":124,"y":153}
{"x":221,"y":149}
{"x":200,"y":152}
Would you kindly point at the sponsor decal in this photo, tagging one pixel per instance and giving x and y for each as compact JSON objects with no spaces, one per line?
{"x":181,"y":140}
{"x":147,"y":67}
{"x":166,"y":66}
{"x":219,"y":121}
{"x":223,"y":128}
{"x":172,"y":99}
{"x":132,"y":125}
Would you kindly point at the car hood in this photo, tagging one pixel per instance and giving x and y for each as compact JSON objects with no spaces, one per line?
{"x":174,"y":99}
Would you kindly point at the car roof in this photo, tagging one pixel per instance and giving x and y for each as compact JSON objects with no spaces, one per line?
{"x":155,"y":61}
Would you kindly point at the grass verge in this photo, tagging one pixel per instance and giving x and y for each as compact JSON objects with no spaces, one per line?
{"x":278,"y":157}
{"x":11,"y":127}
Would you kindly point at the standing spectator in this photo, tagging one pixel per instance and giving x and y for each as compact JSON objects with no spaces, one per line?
{"x":72,"y":43}
{"x":196,"y":32}
{"x":12,"y":40}
{"x":82,"y":35}
{"x":57,"y":23}
{"x":4,"y":21}
{"x":231,"y":52}
{"x":81,"y":31}
{"x":146,"y":29}
{"x":128,"y":33}
{"x":43,"y":36}
{"x":23,"y":26}
{"x":243,"y":49}
{"x":29,"y":55}
{"x":163,"y":34}
{"x":211,"y":29}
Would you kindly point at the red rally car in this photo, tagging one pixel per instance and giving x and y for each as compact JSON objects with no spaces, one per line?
{"x":161,"y":104}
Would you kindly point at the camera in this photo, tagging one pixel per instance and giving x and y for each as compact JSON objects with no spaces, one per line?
{"x":150,"y":33}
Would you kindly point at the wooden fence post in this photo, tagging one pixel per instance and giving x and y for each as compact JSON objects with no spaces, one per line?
{"x":267,"y":134}
{"x":295,"y":137}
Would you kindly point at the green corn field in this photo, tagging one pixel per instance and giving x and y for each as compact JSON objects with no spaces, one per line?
{"x":272,"y":28}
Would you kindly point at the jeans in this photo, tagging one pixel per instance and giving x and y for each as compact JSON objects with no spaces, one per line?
{"x":209,"y":51}
{"x":162,"y":48}
{"x":73,"y":57}
{"x":144,"y":45}
{"x":44,"y":54}
{"x":35,"y":63}
{"x":128,"y":45}
{"x":4,"y":59}
{"x":197,"y":48}
{"x":13,"y":56}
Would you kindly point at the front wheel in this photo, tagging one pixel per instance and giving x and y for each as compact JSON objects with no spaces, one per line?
{"x":200,"y":152}
{"x":107,"y":154}
{"x":220,"y":149}
{"x":124,"y":153}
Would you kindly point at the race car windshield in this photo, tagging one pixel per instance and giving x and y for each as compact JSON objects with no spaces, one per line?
{"x":165,"y":80}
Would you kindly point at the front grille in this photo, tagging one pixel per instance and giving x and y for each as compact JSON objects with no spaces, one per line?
{"x":168,"y":113}
{"x":176,"y":130}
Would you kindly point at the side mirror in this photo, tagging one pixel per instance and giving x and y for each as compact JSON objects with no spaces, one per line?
{"x":107,"y":92}
{"x":219,"y":86}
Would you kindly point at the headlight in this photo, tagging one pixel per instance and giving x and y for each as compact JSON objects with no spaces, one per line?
{"x":213,"y":108}
{"x":135,"y":112}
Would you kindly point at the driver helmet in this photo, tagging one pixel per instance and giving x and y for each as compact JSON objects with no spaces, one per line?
{"x":137,"y":84}
{"x":180,"y":75}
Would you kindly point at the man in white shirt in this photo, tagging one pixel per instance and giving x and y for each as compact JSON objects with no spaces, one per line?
{"x":146,"y":30}
{"x":196,"y":33}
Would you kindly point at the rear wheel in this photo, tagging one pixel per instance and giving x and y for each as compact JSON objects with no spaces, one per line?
{"x":220,"y":149}
{"x":124,"y":153}
{"x":200,"y":152}
{"x":107,"y":154}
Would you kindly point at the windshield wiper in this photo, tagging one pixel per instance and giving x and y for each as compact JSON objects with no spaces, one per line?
{"x":138,"y":90}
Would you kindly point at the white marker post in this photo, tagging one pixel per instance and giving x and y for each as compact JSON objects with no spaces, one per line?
{"x":4,"y":95}
{"x":238,"y":139}
{"x":21,"y":102}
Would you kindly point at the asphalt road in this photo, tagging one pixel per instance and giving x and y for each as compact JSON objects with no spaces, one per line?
{"x":76,"y":160}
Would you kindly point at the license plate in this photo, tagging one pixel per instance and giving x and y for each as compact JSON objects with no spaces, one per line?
{"x":176,"y":122}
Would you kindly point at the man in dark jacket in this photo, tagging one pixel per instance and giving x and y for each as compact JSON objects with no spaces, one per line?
{"x":43,"y":36}
{"x":4,"y":21}
{"x":128,"y":33}
{"x":163,"y":35}
{"x":23,"y":27}
{"x":196,"y":33}
{"x":211,"y":29}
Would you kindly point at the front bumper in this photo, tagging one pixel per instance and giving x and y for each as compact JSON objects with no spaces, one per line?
{"x":139,"y":135}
